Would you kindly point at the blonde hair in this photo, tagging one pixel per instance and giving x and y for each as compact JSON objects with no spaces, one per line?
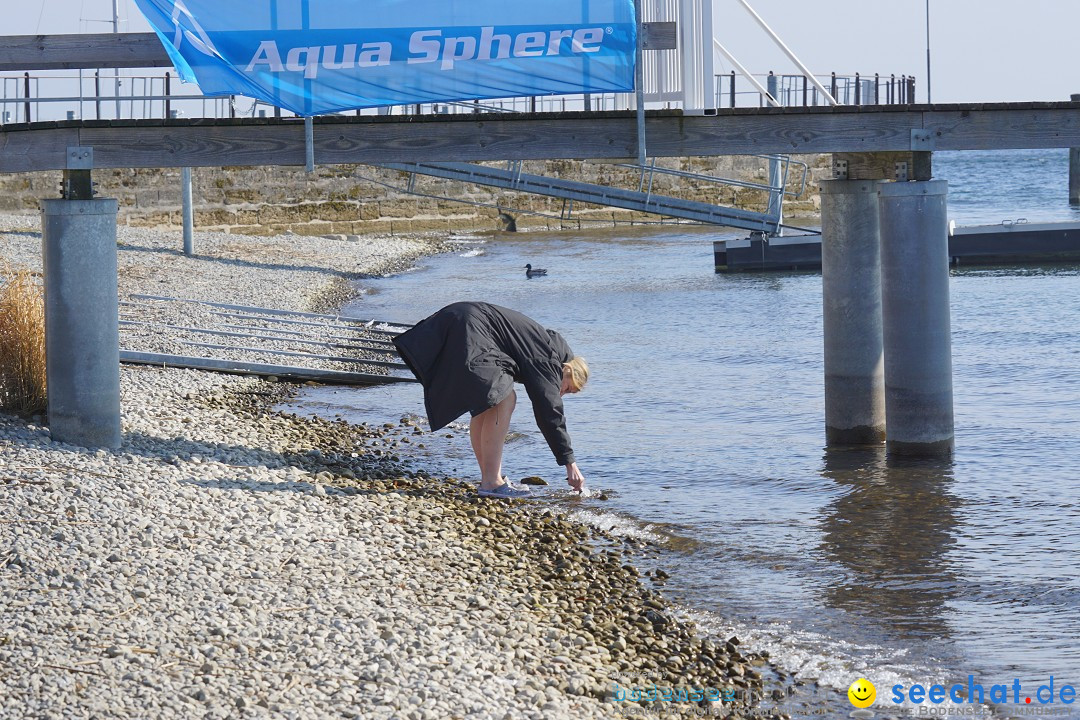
{"x":579,"y":372}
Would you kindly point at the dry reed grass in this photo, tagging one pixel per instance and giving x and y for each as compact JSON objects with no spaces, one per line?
{"x":22,"y":342}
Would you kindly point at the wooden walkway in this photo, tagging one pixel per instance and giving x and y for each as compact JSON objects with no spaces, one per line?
{"x":596,"y":135}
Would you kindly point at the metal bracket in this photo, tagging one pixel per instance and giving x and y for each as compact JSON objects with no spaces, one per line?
{"x":901,"y":172}
{"x":922,"y":140}
{"x":840,"y":169}
{"x":659,"y":36}
{"x":80,"y":158}
{"x":77,"y":182}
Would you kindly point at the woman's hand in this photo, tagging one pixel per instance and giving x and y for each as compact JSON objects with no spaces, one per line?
{"x":574,"y":478}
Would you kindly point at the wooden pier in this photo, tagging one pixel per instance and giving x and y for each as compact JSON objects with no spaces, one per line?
{"x":859,"y":130}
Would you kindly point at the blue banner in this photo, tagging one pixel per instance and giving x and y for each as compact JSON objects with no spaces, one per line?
{"x":322,"y":56}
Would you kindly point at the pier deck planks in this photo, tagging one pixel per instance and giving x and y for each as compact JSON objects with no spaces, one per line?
{"x":599,"y":135}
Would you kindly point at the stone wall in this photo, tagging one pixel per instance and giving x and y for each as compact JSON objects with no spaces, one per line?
{"x":356,"y":199}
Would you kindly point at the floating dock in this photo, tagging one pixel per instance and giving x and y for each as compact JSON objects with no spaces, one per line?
{"x":1007,"y":243}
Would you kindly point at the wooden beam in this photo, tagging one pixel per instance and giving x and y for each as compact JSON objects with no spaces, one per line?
{"x":597,"y":135}
{"x":873,"y":165}
{"x":73,"y":52}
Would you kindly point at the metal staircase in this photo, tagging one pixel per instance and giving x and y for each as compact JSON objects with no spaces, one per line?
{"x":642,"y":199}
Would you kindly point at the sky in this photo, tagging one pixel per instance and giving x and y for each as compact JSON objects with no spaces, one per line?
{"x":981,"y":50}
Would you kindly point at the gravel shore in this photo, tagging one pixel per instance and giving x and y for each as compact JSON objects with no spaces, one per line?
{"x":233,"y":561}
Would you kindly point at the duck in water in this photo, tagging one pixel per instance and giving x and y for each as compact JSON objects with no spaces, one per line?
{"x":531,"y":272}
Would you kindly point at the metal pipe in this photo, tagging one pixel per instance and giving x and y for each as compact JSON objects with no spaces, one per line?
{"x":292,"y":353}
{"x":309,"y":144}
{"x":787,"y":51}
{"x":188,"y":212}
{"x":116,"y":72}
{"x":915,"y":317}
{"x":82,"y":364}
{"x":927,"y":52}
{"x":776,"y":200}
{"x":330,"y":377}
{"x":746,"y":74}
{"x":382,"y":349}
{"x":851,"y":294}
{"x":1074,"y":168}
{"x":639,"y":85}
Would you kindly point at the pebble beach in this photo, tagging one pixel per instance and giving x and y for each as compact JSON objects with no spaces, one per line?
{"x":231,"y":560}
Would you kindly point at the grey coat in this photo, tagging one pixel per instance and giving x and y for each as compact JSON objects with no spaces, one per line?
{"x":469,"y":355}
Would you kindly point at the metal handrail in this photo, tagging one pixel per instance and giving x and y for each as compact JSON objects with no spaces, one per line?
{"x":796,"y":90}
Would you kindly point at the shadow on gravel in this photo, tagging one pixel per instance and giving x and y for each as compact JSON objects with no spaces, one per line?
{"x":329,"y":269}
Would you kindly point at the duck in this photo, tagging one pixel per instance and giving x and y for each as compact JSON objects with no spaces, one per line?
{"x":530,"y":271}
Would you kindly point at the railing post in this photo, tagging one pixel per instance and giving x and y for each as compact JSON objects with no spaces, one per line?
{"x":832,"y":88}
{"x":732,"y":92}
{"x":771,"y":86}
{"x":805,"y":85}
{"x":168,"y":91}
{"x":26,"y":94}
{"x":97,"y":94}
{"x":858,"y":90}
{"x":877,"y":89}
{"x":892,"y":88}
{"x":903,"y":90}
{"x":1074,"y":167}
{"x":911,"y":90}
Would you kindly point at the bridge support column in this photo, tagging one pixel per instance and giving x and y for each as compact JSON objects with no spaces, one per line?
{"x":82,"y":355}
{"x":915,"y":317}
{"x":851,"y":289}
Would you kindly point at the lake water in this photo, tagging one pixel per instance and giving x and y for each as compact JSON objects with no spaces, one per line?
{"x":704,"y":424}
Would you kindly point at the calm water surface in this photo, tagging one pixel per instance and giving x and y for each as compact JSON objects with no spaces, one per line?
{"x":704,"y":422}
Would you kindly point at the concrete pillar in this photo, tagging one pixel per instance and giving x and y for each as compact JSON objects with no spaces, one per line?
{"x":82,"y":355}
{"x":1074,"y":168}
{"x":915,"y":317}
{"x":188,"y":212}
{"x":851,"y":290}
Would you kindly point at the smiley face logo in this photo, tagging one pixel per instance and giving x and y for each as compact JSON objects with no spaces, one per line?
{"x":862,"y":693}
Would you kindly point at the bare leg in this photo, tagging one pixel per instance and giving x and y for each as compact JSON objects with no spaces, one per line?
{"x":487,"y":431}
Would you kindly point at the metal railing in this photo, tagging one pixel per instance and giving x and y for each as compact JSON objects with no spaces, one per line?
{"x":731,"y":90}
{"x":97,"y":96}
{"x":87,"y":96}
